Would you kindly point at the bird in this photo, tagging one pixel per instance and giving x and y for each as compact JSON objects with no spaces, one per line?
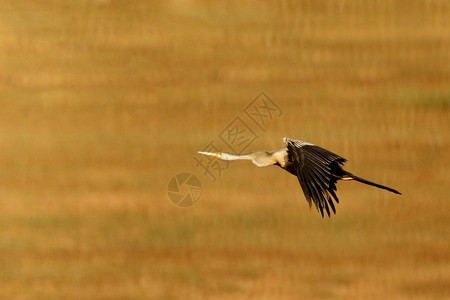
{"x":316,"y":169}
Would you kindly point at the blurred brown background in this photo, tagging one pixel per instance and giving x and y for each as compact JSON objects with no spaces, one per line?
{"x":103,"y":102}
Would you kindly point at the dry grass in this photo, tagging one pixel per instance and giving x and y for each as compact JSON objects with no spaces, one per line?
{"x":104,"y":101}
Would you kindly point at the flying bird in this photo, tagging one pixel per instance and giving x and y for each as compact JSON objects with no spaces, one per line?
{"x":317,"y":170}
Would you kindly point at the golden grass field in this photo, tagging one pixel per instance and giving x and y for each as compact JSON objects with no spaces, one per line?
{"x":103,"y":102}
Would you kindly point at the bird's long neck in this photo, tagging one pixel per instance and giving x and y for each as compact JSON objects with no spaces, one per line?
{"x":259,"y":158}
{"x":230,"y":156}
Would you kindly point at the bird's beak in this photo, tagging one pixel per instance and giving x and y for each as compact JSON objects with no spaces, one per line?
{"x":210,"y":153}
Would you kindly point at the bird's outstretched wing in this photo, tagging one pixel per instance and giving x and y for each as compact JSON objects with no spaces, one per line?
{"x":317,"y":171}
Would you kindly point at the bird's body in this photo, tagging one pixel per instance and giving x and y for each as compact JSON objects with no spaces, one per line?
{"x":317,"y":170}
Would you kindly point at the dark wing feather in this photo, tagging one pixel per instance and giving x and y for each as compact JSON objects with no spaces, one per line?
{"x":317,"y":171}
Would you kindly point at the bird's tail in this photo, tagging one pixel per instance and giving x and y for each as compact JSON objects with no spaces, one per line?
{"x":349,"y":176}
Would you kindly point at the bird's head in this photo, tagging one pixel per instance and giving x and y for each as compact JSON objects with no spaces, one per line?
{"x":215,"y":154}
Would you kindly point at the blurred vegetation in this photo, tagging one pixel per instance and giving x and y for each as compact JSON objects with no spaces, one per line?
{"x":104,"y":101}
